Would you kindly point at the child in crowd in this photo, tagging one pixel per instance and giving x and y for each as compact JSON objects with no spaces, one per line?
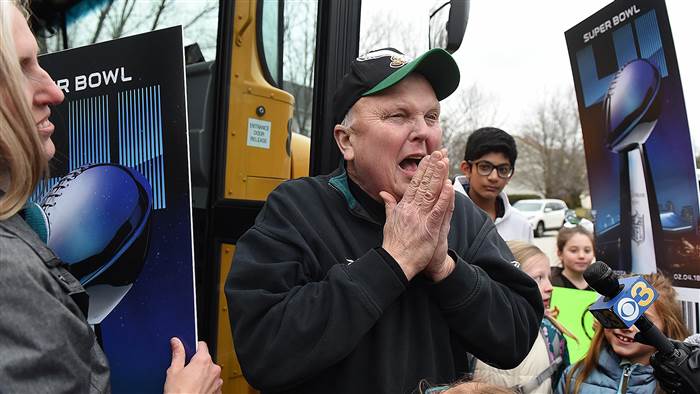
{"x":575,"y":250}
{"x":614,"y":362}
{"x":488,"y":166}
{"x":541,"y":369}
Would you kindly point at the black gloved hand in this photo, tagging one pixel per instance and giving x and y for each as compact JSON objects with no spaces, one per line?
{"x":678,"y":372}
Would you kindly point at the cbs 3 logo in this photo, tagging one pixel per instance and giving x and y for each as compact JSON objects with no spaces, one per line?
{"x":642,"y":295}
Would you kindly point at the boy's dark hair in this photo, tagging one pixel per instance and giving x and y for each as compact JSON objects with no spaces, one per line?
{"x":490,"y":139}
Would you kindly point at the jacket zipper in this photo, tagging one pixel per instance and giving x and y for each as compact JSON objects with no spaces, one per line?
{"x":626,"y":372}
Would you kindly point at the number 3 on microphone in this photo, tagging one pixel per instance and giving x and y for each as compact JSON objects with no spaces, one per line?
{"x":640,"y":289}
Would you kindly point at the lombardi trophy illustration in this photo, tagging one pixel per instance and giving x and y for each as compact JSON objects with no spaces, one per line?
{"x":630,"y":112}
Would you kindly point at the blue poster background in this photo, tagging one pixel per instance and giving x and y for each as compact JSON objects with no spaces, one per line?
{"x":125,"y":103}
{"x":598,"y":47}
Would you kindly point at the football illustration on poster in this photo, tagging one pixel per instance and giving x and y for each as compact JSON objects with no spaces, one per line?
{"x":99,"y":220}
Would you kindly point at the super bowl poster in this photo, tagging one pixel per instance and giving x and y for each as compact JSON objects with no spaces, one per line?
{"x":640,"y":159}
{"x":118,"y":202}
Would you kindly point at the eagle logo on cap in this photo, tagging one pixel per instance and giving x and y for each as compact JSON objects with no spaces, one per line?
{"x":398,"y":61}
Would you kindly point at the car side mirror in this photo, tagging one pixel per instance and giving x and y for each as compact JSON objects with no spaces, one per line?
{"x":447,"y":24}
{"x":546,"y":210}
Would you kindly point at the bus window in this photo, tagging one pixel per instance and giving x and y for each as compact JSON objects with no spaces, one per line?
{"x":299,"y":60}
{"x":270,"y":47}
{"x":92,"y":21}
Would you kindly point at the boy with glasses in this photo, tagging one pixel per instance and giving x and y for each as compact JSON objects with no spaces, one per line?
{"x":488,"y":165}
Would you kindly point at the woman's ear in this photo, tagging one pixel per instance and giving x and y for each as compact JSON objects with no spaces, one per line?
{"x":342,"y":136}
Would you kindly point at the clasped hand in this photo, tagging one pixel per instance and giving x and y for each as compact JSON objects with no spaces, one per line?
{"x":416,"y":228}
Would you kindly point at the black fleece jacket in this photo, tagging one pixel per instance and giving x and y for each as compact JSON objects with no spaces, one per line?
{"x":316,"y":306}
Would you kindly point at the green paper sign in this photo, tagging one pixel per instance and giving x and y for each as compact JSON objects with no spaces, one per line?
{"x":573,"y":304}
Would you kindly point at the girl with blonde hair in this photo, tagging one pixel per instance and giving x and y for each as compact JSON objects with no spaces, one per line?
{"x":541,"y":369}
{"x":615,"y":362}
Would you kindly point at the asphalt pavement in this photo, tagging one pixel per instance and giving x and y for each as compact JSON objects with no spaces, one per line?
{"x":548,"y":244}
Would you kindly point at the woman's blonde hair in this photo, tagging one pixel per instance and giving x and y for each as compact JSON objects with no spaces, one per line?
{"x":22,"y":159}
{"x":471,"y":386}
{"x":523,"y":253}
{"x":667,"y":309}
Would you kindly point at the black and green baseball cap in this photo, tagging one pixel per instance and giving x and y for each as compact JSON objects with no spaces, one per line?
{"x":380,"y":69}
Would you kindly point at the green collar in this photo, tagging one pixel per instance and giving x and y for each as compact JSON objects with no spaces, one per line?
{"x":361,"y":206}
{"x":340,"y":182}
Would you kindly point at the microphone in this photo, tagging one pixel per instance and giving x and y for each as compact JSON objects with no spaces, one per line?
{"x":623,"y":304}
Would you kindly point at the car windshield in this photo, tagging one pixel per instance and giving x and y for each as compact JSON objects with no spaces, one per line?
{"x":528,"y":206}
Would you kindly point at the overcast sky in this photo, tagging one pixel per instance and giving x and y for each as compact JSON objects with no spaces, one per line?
{"x":516,"y":49}
{"x":516,"y":52}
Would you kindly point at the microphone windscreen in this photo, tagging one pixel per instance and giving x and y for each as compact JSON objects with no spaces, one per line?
{"x":595,"y":271}
{"x":602,"y":279}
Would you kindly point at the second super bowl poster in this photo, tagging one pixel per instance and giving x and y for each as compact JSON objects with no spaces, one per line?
{"x":639,"y":154}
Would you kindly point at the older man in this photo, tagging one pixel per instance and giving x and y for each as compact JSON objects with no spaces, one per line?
{"x":377,"y":276}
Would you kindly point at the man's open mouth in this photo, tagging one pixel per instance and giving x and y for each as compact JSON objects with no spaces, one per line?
{"x":410,"y":163}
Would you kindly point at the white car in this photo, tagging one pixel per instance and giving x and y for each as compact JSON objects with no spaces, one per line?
{"x":544,"y":214}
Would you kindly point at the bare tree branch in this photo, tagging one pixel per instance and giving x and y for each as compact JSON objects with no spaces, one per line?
{"x":299,"y":60}
{"x":463,"y":112}
{"x":159,"y":11}
{"x":120,"y":19}
{"x":386,"y":30}
{"x":101,"y":20}
{"x":551,"y":148}
{"x":117,"y":18}
{"x":202,"y":13}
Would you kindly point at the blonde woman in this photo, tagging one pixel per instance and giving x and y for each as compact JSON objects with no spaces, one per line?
{"x":46,"y":345}
{"x":543,"y":366}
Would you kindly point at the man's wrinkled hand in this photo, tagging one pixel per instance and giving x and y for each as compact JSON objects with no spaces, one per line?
{"x":441,"y":264}
{"x":414,"y":225}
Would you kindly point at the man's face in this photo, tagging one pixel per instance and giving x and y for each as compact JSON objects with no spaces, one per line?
{"x":39,"y":89}
{"x":486,"y":187}
{"x":390,"y":133}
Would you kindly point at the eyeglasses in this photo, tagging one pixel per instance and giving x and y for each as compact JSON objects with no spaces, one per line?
{"x":485,"y":167}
